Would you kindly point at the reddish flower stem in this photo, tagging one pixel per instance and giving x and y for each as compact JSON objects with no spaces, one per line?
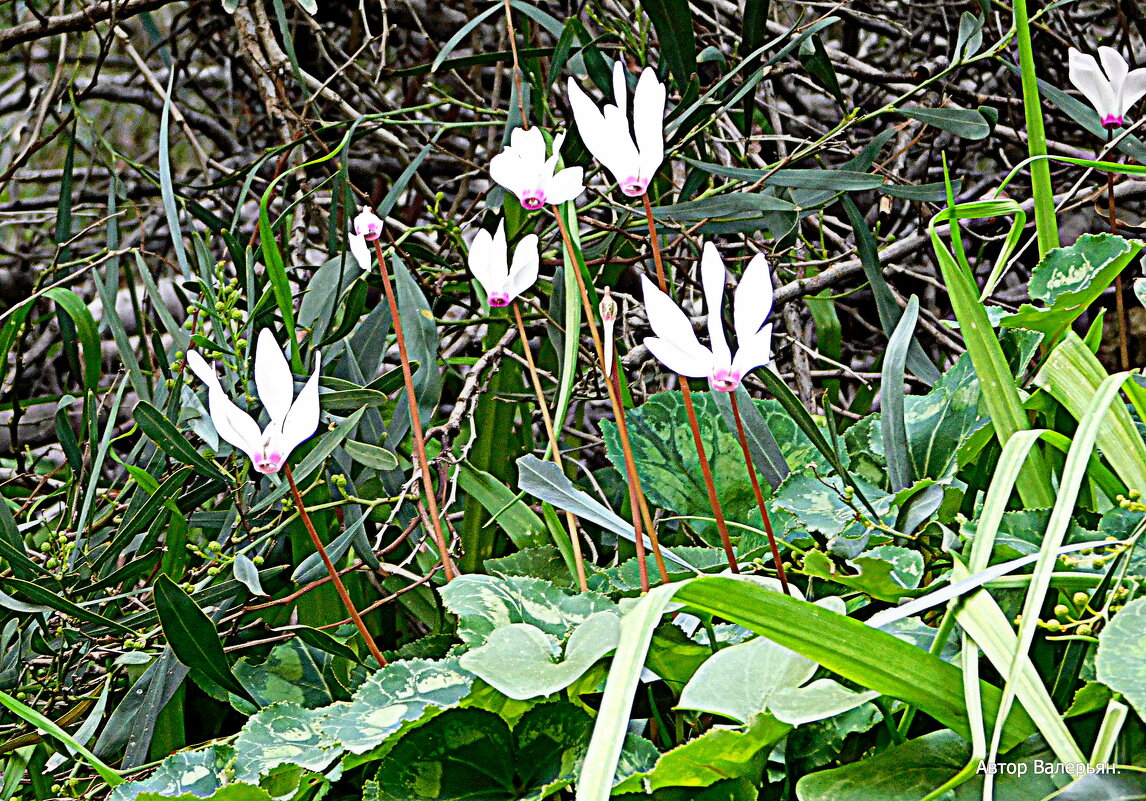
{"x":415,"y":421}
{"x":636,"y":496}
{"x":706,"y":470}
{"x":759,"y":495}
{"x":332,"y":570}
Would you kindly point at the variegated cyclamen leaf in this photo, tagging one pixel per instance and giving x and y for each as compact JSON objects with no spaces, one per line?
{"x":397,"y":695}
{"x":283,"y":734}
{"x":199,"y":773}
{"x":484,"y":603}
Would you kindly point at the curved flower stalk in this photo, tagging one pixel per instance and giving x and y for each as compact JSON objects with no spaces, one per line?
{"x":1112,"y":88}
{"x":677,"y":346}
{"x":523,"y":169}
{"x":489,"y":263}
{"x":634,"y":158}
{"x":293,"y":420}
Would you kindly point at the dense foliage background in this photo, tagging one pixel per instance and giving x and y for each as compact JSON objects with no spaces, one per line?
{"x":180,"y":175}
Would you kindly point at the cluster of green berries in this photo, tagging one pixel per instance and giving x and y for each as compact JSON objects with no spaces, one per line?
{"x":57,"y":548}
{"x":1130,"y":502}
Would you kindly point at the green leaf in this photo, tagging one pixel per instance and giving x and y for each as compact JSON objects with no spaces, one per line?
{"x":672,"y":20}
{"x":524,"y":528}
{"x":720,"y":207}
{"x":422,"y":346}
{"x":1072,"y":376}
{"x":193,"y":637}
{"x":40,"y":594}
{"x":815,"y":60}
{"x":543,"y":562}
{"x":198,"y":773}
{"x":283,"y":734}
{"x":371,"y":456}
{"x":910,"y":771}
{"x":86,"y":330}
{"x":521,"y":661}
{"x":718,"y":754}
{"x":396,"y":696}
{"x":762,"y":420}
{"x":818,"y":502}
{"x":1069,"y":280}
{"x":822,"y":699}
{"x":1121,"y":658}
{"x":293,"y":671}
{"x":739,"y":681}
{"x":51,"y":728}
{"x":891,"y":415}
{"x":966,"y":123}
{"x":171,"y":441}
{"x":471,"y":753}
{"x":484,"y":604}
{"x":546,"y":481}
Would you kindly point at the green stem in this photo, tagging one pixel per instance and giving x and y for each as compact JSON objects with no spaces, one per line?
{"x":1046,"y":223}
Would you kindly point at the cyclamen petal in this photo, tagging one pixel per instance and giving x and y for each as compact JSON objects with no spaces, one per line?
{"x":292,"y":420}
{"x":489,"y":263}
{"x":1112,"y":88}
{"x":632,"y":158}
{"x":675,"y":343}
{"x":367,"y":224}
{"x":523,"y":169}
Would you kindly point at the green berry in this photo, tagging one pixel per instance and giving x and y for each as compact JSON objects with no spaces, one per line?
{"x":1061,"y":610}
{"x":1085,"y":628}
{"x":1080,"y":598}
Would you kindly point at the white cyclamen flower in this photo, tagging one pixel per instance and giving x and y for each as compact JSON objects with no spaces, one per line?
{"x":1111,"y":89}
{"x":676,"y":345}
{"x":293,"y":420}
{"x":523,"y":169}
{"x":367,"y":224}
{"x":489,"y":262}
{"x":632,"y":158}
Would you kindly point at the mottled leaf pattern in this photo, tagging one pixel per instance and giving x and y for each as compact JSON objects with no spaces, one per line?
{"x":484,"y":603}
{"x":283,"y":734}
{"x":401,"y":693}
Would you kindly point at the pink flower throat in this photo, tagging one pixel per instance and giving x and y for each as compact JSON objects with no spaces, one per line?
{"x":532,"y":200}
{"x":499,"y":299}
{"x":724,"y":380}
{"x":633,"y":186}
{"x":1112,"y":121}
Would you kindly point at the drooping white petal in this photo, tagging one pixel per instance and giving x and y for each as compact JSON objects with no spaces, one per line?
{"x":508,"y":170}
{"x":1086,"y":76}
{"x":231,"y":423}
{"x":675,"y":343}
{"x":1133,"y":89}
{"x":753,"y":352}
{"x":558,"y":141}
{"x":606,"y":138}
{"x":648,"y":122}
{"x":1114,"y":65}
{"x":753,"y":299}
{"x":620,"y":88}
{"x":360,"y":250}
{"x":273,"y":380}
{"x":529,"y":144}
{"x":481,"y":261}
{"x":566,"y":185}
{"x":301,"y":421}
{"x":526,"y":263}
{"x":712,"y":278}
{"x":619,"y":152}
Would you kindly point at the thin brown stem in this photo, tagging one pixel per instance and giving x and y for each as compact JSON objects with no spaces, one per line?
{"x":633,"y":478}
{"x":332,"y":570}
{"x":516,"y":64}
{"x":686,"y":393}
{"x":759,"y":495}
{"x":415,"y":420}
{"x":574,"y":537}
